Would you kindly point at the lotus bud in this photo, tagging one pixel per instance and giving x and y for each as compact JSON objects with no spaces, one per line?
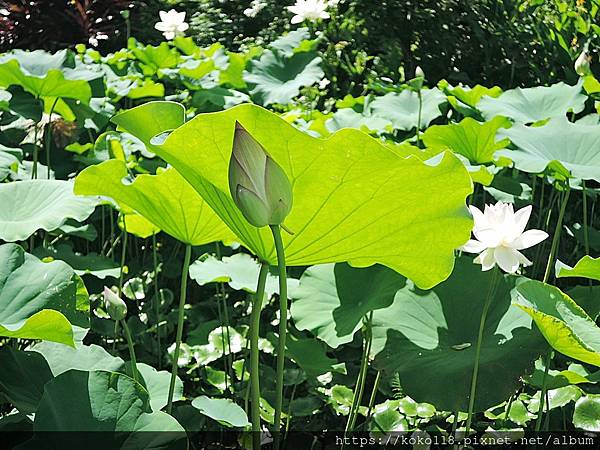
{"x":258,"y":185}
{"x":115,"y":306}
{"x":419,"y":72}
{"x":582,"y":64}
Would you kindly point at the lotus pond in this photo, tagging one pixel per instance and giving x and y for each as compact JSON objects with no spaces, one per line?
{"x":197,"y":250}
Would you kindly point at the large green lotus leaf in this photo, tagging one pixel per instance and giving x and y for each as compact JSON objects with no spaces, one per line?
{"x":558,"y":144}
{"x":587,"y":413}
{"x":403,"y":108}
{"x":564,"y":324}
{"x":41,"y":74}
{"x":110,"y":404}
{"x":469,"y":138}
{"x":240,"y":271}
{"x":430,"y":339}
{"x":534,"y":104}
{"x":39,"y":300}
{"x":586,"y":267}
{"x":157,"y":384}
{"x":27,"y":206}
{"x":61,"y":359}
{"x":276,"y":78}
{"x":471,"y":95}
{"x":222,"y":410}
{"x":348,"y":118}
{"x":355,"y":200}
{"x":166,"y":200}
{"x":23,"y":377}
{"x":9,"y":160}
{"x":332,"y":299}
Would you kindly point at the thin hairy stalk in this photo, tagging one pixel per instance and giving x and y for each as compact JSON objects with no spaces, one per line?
{"x":48,"y":137}
{"x":362,"y":375}
{"x":156,"y":301}
{"x":419,"y":117}
{"x":36,"y":152}
{"x":123,"y":255}
{"x":509,"y":406}
{"x":254,"y":353}
{"x":540,"y":413}
{"x":556,"y":237}
{"x":180,"y":317}
{"x":288,"y":417}
{"x":586,"y":237}
{"x":486,"y":307}
{"x":222,"y":297}
{"x":283,"y":313}
{"x":131,"y":349}
{"x":373,"y":394}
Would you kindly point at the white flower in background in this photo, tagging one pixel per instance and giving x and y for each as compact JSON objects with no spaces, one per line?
{"x":499,"y":235}
{"x":171,"y":24}
{"x":309,"y":10}
{"x":255,"y":7}
{"x":324,"y":83}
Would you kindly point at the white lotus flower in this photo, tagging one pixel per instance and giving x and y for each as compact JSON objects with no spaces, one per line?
{"x":171,"y":23}
{"x":309,"y":10}
{"x":499,"y":235}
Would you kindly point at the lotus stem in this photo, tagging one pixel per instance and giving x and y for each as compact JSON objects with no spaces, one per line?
{"x":283,"y":312}
{"x":362,"y":375}
{"x":556,"y":237}
{"x":419,"y":117}
{"x":156,"y":300}
{"x":254,"y":356}
{"x":586,"y":237}
{"x":131,"y":349}
{"x":48,"y":136}
{"x":486,"y":307}
{"x":373,"y":395}
{"x":123,"y":254}
{"x":180,"y":317}
{"x":538,"y":422}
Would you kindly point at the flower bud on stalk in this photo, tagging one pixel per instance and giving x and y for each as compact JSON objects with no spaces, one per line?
{"x":582,"y":64}
{"x":258,"y":185}
{"x":115,"y":306}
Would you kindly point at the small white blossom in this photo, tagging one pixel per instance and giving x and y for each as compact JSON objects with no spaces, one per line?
{"x":309,"y":10}
{"x":499,"y":235}
{"x":171,"y":24}
{"x":255,"y":7}
{"x":324,"y":83}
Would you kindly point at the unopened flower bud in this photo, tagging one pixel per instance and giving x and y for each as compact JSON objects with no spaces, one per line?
{"x":115,"y":306}
{"x":419,"y":72}
{"x":258,"y":185}
{"x":582,"y":64}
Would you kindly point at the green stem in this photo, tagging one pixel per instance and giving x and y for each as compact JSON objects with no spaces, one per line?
{"x":419,"y":117}
{"x":131,"y":350}
{"x":48,"y":137}
{"x":254,"y":354}
{"x":123,"y":254}
{"x":373,"y":395}
{"x":556,"y":237}
{"x":36,"y":151}
{"x":156,"y":301}
{"x":362,"y":375}
{"x":538,"y":422}
{"x":508,"y":407}
{"x":486,"y":307}
{"x":283,"y":313}
{"x":180,"y":317}
{"x":586,"y":238}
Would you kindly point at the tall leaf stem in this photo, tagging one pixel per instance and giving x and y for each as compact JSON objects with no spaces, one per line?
{"x":586,"y":237}
{"x":556,"y":237}
{"x":486,"y":307}
{"x":131,"y":349}
{"x":254,"y":354}
{"x":540,"y":413}
{"x":156,"y":300}
{"x":180,"y":317}
{"x":362,"y":374}
{"x":283,"y":313}
{"x":48,"y":136}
